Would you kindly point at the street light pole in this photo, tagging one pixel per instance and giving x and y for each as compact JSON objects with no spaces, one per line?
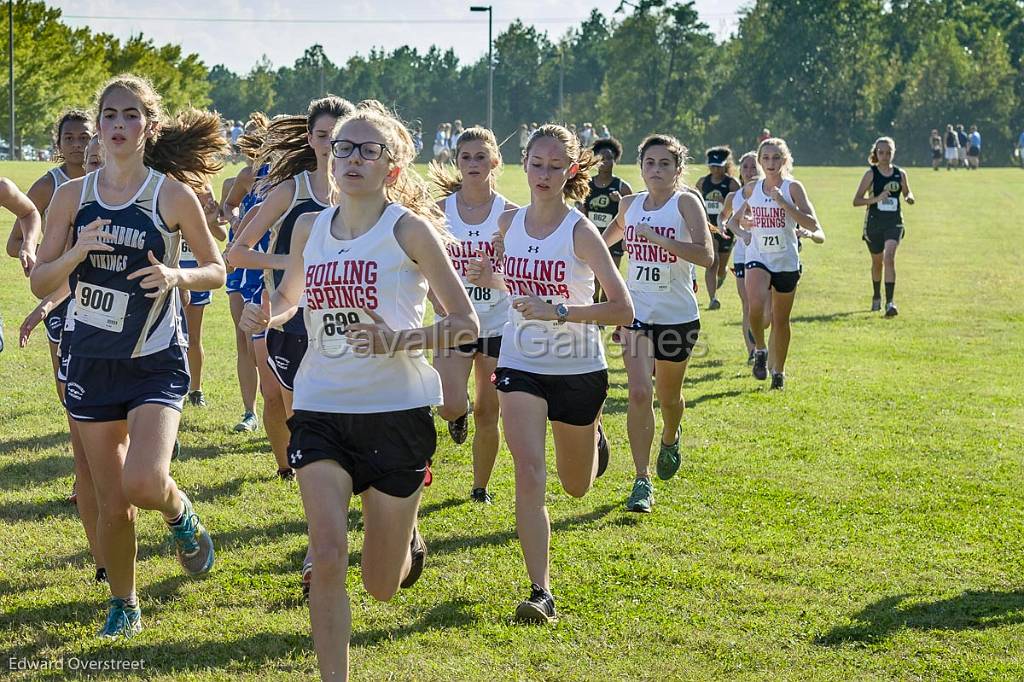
{"x":10,"y":69}
{"x":490,"y":60}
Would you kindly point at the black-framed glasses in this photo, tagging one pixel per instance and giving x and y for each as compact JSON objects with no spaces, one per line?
{"x":369,"y":151}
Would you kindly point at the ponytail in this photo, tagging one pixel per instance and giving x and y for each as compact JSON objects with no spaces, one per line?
{"x":286,"y":147}
{"x":189,"y":148}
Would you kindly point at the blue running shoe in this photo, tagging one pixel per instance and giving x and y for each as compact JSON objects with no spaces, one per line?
{"x":192,"y":542}
{"x":122,"y":620}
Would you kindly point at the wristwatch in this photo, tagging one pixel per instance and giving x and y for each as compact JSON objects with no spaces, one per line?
{"x":562,"y":310}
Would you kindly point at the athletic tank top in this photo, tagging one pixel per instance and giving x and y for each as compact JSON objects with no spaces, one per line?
{"x":491,"y":305}
{"x":67,"y":306}
{"x":601,"y":208}
{"x":739,"y":248}
{"x":659,"y":282}
{"x":113,"y":316}
{"x":303,"y":201}
{"x":890,"y":210}
{"x":344,"y":279}
{"x":548,"y":268}
{"x":714,"y":194}
{"x":774,"y":243}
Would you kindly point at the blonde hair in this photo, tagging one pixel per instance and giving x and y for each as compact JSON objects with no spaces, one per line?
{"x":578,"y":186}
{"x":189,"y":147}
{"x":676,"y":148}
{"x":408,"y":189}
{"x":448,"y":178}
{"x":787,"y":156}
{"x":873,"y":157}
{"x":739,"y":164}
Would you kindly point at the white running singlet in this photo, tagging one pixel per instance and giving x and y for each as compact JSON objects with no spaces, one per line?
{"x":491,"y":305}
{"x":659,"y":282}
{"x":774,"y":243}
{"x":739,"y":247}
{"x":344,"y":279}
{"x":548,"y":268}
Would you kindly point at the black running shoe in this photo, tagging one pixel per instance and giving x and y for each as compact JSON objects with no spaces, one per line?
{"x":418,"y":552}
{"x":459,"y":429}
{"x":481,"y":495}
{"x":603,"y":452}
{"x":101,"y":575}
{"x":197,"y":399}
{"x":876,"y":304}
{"x":177,"y":450}
{"x":890,"y":310}
{"x":778,"y":381}
{"x":760,"y":365}
{"x":286,"y":474}
{"x":539,"y":608}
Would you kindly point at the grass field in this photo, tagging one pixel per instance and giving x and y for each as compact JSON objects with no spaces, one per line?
{"x":867,"y":523}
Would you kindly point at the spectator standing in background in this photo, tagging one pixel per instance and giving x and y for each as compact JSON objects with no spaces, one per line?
{"x":453,"y":137}
{"x":1020,"y":149}
{"x":524,"y":138}
{"x":765,"y":134}
{"x":605,"y":134}
{"x":587,"y":134}
{"x":961,"y":151}
{"x":952,"y":147}
{"x":935,"y":143}
{"x":974,"y":149}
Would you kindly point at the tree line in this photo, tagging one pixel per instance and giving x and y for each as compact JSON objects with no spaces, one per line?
{"x":829,"y":75}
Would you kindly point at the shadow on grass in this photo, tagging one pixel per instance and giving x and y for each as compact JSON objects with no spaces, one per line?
{"x":830,"y":317}
{"x":971,"y":610}
{"x":453,"y":543}
{"x":257,"y":650}
{"x":255,"y":446}
{"x":455,"y":613}
{"x":27,"y":472}
{"x":713,"y":396}
{"x":37,"y":510}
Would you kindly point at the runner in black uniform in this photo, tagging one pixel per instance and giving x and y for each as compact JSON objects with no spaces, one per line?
{"x":883,"y":225}
{"x":714,"y":188}
{"x":606,"y":191}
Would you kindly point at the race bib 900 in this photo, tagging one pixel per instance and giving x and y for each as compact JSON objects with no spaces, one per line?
{"x":101,"y":307}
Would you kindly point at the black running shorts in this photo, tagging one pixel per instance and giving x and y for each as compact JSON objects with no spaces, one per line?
{"x":876,"y":235}
{"x":388,"y":451}
{"x":284,"y":354}
{"x":672,"y":342}
{"x":783,"y":282}
{"x":574,"y":399}
{"x":489,"y":346}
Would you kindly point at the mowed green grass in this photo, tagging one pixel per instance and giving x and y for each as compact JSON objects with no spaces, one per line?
{"x":865,"y":524}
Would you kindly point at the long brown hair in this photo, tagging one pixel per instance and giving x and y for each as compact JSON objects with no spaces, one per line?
{"x":578,"y":186}
{"x":448,"y":178}
{"x":287,"y":148}
{"x":255,"y":135}
{"x":676,"y":148}
{"x":188,"y":147}
{"x":408,"y":189}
